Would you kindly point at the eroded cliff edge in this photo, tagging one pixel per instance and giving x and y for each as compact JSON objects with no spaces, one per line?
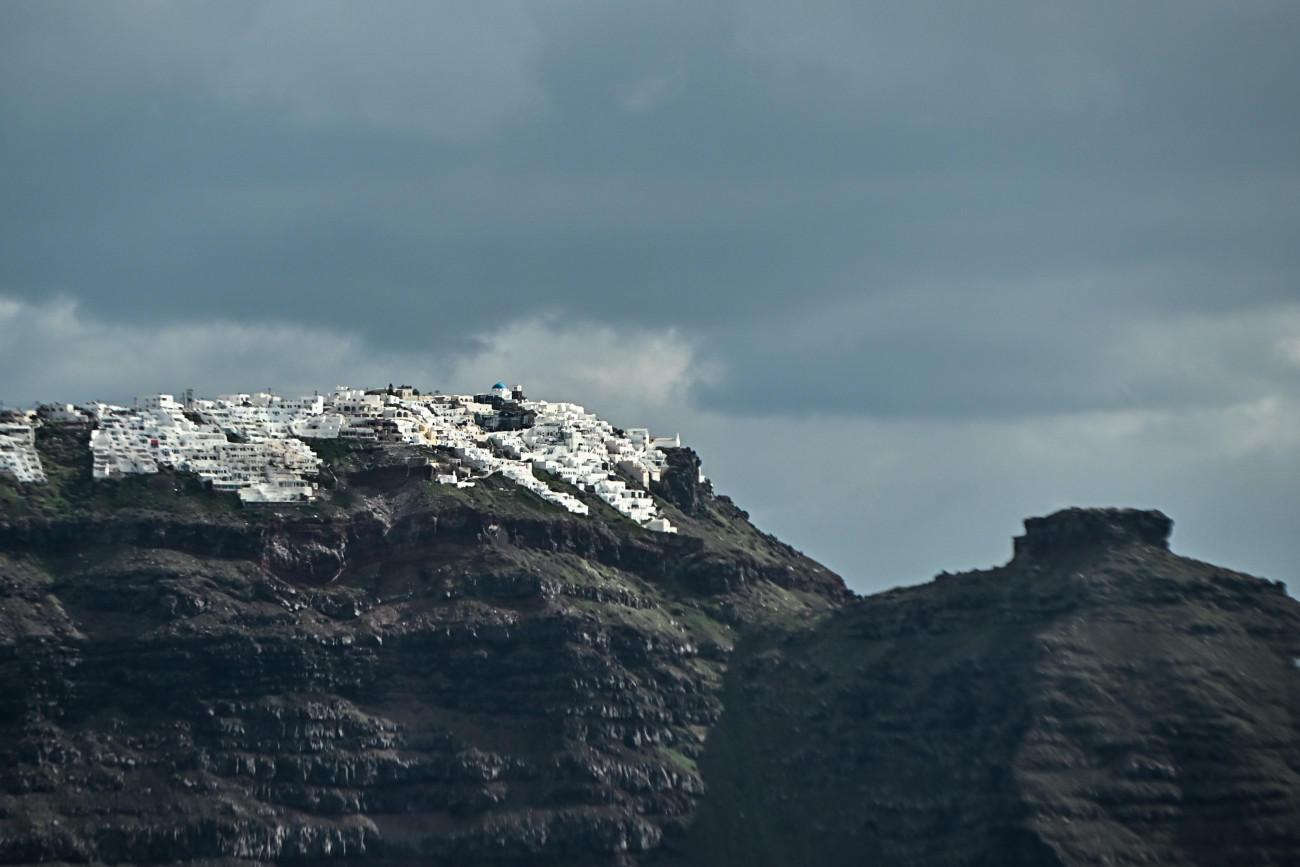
{"x":404,"y":671}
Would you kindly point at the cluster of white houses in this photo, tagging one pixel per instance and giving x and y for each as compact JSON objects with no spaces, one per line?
{"x":252,"y":444}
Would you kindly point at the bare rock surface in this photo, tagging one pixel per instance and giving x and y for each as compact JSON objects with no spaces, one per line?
{"x":1098,"y":700}
{"x":407,"y":672}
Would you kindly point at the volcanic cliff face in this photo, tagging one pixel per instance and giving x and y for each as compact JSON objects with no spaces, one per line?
{"x":1098,"y":700}
{"x":407,"y":671}
{"x":411,"y":672}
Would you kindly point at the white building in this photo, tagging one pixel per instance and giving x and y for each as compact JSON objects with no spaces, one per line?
{"x":18,"y":453}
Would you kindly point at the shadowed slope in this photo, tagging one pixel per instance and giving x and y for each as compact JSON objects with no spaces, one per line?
{"x":1097,"y":700}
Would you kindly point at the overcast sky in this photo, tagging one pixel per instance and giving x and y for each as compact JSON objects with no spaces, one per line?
{"x":903,"y":273}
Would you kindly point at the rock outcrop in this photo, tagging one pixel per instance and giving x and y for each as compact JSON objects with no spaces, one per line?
{"x":1098,"y":700}
{"x":682,"y":485}
{"x":1079,"y":529}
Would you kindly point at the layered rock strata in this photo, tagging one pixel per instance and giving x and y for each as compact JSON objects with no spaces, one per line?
{"x":416,"y":673}
{"x":407,"y":672}
{"x":1098,"y":700}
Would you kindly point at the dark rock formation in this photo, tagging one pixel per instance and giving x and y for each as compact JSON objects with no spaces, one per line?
{"x":1098,"y":700}
{"x":1074,"y":529}
{"x":680,"y":483}
{"x":406,"y":672}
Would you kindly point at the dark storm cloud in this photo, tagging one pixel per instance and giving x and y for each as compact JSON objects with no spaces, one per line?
{"x":703,"y":156}
{"x":931,"y":210}
{"x":720,"y":169}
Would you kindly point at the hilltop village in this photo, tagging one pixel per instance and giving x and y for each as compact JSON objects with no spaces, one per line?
{"x":257,"y":445}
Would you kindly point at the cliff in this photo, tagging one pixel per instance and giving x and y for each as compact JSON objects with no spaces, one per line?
{"x":403,"y":671}
{"x":1098,"y":700}
{"x":407,"y":672}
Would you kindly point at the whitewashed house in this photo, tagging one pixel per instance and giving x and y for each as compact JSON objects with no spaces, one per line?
{"x":18,"y":453}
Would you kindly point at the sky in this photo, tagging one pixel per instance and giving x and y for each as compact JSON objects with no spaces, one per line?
{"x":904,"y":274}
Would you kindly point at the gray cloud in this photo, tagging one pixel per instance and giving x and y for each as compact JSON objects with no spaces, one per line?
{"x":928,"y":213}
{"x":453,"y":70}
{"x":1076,"y":342}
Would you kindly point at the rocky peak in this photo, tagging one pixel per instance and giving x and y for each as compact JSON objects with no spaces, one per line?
{"x":1072,"y":530}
